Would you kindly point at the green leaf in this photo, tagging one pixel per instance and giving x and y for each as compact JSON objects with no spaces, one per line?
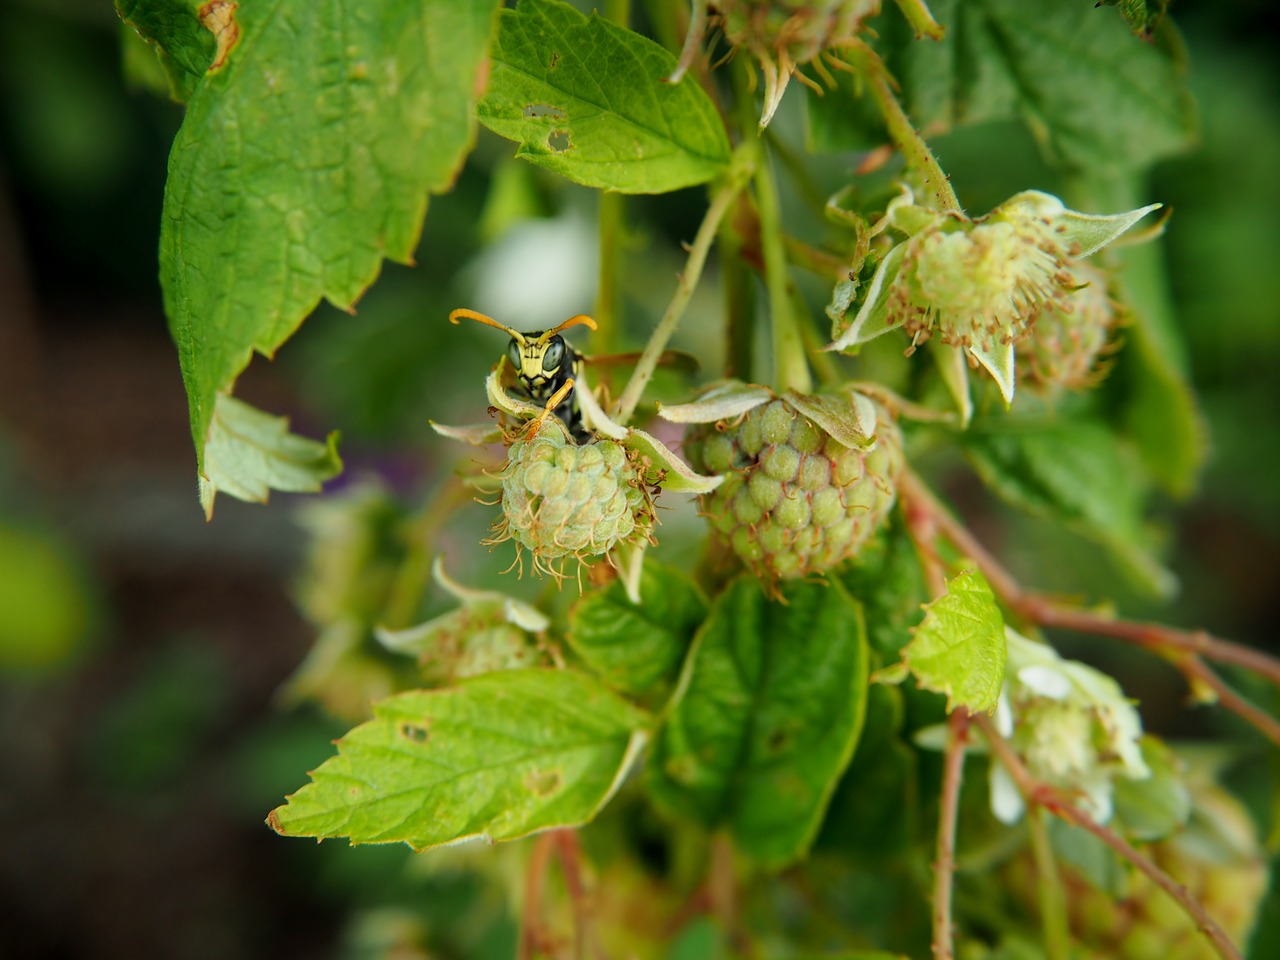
{"x":1159,"y":408}
{"x":633,"y":648}
{"x":766,"y":717}
{"x":1076,"y":473}
{"x":1091,"y":92}
{"x":303,"y":161}
{"x":251,"y":453}
{"x":183,"y":44}
{"x":1159,"y":805}
{"x":586,"y":98}
{"x":873,"y":811}
{"x":497,"y":757}
{"x":959,"y":648}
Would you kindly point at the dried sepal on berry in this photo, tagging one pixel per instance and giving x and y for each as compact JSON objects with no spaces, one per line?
{"x":808,"y":478}
{"x":977,"y":286}
{"x":782,"y":36}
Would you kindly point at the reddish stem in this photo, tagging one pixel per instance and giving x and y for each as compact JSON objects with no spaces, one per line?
{"x":1183,"y":649}
{"x":949,"y":804}
{"x":1036,"y":791}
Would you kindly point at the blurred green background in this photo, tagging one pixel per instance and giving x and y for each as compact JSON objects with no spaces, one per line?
{"x":142,"y":652}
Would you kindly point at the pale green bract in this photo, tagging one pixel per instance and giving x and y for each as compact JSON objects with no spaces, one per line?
{"x":251,"y":453}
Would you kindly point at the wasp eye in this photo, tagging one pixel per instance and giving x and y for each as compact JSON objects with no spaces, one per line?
{"x":513,"y":352}
{"x":553,"y":355}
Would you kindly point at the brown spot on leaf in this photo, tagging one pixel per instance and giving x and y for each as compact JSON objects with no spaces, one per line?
{"x":219,"y":18}
{"x":555,"y":58}
{"x":415,"y":732}
{"x":534,"y":110}
{"x":543,"y":782}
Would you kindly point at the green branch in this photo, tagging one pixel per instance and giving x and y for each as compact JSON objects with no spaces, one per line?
{"x":790,"y":364}
{"x":740,"y":170}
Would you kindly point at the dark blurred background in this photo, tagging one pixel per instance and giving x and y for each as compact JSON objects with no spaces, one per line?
{"x":143,"y":736}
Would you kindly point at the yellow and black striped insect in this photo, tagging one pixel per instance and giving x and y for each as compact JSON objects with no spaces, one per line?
{"x":545,"y":364}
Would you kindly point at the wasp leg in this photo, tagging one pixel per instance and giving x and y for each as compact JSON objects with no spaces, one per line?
{"x":553,"y":401}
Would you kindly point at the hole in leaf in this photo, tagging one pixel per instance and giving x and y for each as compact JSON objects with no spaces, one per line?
{"x":415,"y":732}
{"x":537,"y":110}
{"x":543,"y":782}
{"x":558,"y":141}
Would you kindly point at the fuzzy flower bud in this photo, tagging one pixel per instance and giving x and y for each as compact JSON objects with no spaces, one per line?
{"x":980,"y":286}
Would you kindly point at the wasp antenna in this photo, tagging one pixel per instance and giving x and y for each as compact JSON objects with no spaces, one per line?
{"x":463,"y":313}
{"x":581,"y":320}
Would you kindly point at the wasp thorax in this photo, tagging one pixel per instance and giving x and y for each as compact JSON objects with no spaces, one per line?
{"x":795,"y":500}
{"x":561,"y":499}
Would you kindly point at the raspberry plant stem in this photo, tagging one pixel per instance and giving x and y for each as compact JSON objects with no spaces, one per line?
{"x":1053,"y":902}
{"x":611,"y":220}
{"x":1052,"y":800}
{"x":908,"y":139}
{"x":790,"y":365}
{"x":740,"y":170}
{"x":1183,"y":649}
{"x":948,"y":813}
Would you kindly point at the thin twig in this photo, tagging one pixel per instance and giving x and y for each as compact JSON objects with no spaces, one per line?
{"x":535,"y":875}
{"x":790,"y":364}
{"x":1196,"y":670}
{"x":1053,"y":800}
{"x":1053,"y":901}
{"x":740,"y":170}
{"x":908,"y":139}
{"x":944,"y":866}
{"x":569,"y":852}
{"x":1183,"y":648}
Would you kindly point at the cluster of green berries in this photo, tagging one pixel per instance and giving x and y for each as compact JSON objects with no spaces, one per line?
{"x":561,"y":499}
{"x":795,"y":500}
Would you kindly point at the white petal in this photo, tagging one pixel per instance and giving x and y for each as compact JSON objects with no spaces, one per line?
{"x":1006,"y":801}
{"x":1046,"y":681}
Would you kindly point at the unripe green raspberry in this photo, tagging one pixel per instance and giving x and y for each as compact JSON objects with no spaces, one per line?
{"x":794,"y":501}
{"x":1063,"y":347}
{"x":560,"y":499}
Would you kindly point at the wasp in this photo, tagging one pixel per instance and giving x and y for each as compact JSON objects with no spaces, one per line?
{"x":545,"y":364}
